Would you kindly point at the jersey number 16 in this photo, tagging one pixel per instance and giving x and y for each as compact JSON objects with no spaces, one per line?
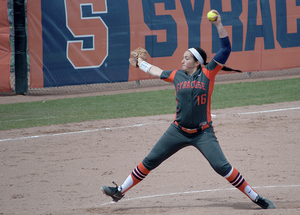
{"x":201,"y":99}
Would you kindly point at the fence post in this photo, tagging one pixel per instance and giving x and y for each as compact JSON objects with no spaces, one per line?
{"x":21,"y":79}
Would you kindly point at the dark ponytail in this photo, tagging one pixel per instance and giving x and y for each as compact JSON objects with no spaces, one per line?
{"x":225,"y":68}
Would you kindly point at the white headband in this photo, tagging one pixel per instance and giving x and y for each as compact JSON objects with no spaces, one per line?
{"x":197,"y":55}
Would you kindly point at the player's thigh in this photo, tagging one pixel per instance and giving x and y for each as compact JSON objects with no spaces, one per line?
{"x":208,"y":145}
{"x":171,"y":141}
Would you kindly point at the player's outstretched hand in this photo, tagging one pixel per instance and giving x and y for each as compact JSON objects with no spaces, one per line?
{"x":218,"y":20}
{"x":137,"y":53}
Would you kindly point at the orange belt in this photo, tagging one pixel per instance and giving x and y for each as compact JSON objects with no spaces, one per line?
{"x":194,"y":130}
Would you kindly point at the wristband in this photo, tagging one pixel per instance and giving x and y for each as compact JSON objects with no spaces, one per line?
{"x":145,"y":66}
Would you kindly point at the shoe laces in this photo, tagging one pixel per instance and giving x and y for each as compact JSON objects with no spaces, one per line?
{"x":119,"y":188}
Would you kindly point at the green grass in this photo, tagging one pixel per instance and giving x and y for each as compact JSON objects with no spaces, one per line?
{"x":255,"y":93}
{"x":31,"y":114}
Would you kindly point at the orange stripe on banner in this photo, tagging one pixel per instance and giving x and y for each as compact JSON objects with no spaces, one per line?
{"x":35,"y":43}
{"x":5,"y":52}
{"x":139,"y":29}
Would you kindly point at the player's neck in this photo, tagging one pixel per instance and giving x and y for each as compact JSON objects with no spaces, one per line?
{"x":191,"y":72}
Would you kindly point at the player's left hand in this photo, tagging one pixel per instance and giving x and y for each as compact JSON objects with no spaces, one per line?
{"x":137,"y":53}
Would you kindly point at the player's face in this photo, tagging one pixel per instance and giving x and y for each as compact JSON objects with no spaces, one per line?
{"x":188,"y":63}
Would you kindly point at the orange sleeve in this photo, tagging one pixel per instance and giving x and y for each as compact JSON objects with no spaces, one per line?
{"x":170,"y":78}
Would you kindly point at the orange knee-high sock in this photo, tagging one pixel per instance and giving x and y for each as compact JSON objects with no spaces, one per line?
{"x":136,"y":176}
{"x":237,"y":180}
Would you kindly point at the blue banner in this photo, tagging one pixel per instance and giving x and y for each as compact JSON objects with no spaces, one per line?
{"x":75,"y":42}
{"x":107,"y":34}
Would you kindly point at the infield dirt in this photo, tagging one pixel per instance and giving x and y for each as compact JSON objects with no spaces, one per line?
{"x":59,"y":169}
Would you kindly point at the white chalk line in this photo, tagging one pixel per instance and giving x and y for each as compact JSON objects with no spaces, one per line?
{"x":198,"y":191}
{"x":269,"y":111}
{"x":78,"y":132}
{"x":129,"y":126}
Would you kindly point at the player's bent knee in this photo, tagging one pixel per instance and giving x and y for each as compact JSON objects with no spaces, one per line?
{"x":222,"y":169}
{"x":150,"y":164}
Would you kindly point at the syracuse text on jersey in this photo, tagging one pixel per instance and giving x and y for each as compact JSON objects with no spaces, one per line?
{"x":189,"y":84}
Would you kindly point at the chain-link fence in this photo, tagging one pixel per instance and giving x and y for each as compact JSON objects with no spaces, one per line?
{"x":152,"y":82}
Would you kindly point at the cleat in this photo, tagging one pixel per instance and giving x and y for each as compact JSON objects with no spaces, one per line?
{"x":114,"y":192}
{"x":264,"y":203}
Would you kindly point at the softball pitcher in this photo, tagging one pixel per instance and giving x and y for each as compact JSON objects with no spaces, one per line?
{"x":194,"y":85}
